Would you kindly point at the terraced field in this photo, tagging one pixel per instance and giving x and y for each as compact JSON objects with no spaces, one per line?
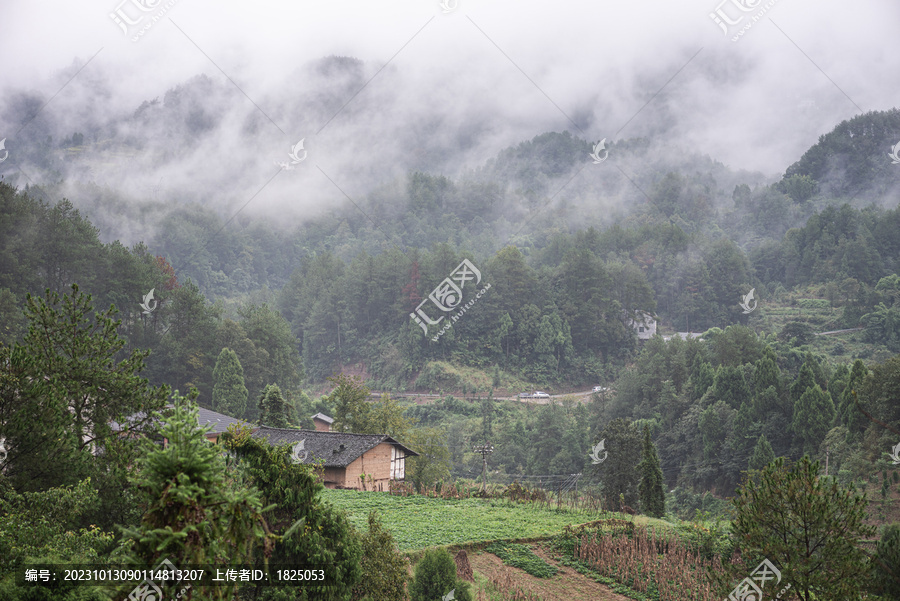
{"x":417,"y":522}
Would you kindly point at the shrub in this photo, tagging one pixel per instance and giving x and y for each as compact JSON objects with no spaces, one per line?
{"x":384,"y":574}
{"x":435,"y":577}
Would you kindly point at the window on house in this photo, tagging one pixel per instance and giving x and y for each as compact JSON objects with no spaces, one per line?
{"x":641,"y":329}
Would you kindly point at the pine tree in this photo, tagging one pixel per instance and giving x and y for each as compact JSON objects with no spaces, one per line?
{"x":618,"y":472}
{"x":765,"y":404}
{"x":194,"y":515}
{"x":887,"y":562}
{"x":274,"y":411}
{"x":229,"y":393}
{"x":702,"y":377}
{"x":744,"y":430}
{"x":850,"y":416}
{"x":805,"y":379}
{"x":786,"y":507}
{"x":730,"y":386}
{"x":813,"y":418}
{"x":61,"y":387}
{"x":767,"y":372}
{"x":763,"y":454}
{"x":652,"y":494}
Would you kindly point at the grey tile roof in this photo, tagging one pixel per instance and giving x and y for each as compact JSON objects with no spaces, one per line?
{"x":205,"y":417}
{"x":323,"y":417}
{"x":218,"y":421}
{"x":338,"y":449}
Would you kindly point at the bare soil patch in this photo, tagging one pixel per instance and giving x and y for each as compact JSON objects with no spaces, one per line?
{"x":567,"y":585}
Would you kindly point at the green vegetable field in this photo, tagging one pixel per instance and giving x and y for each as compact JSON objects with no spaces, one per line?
{"x":417,"y":522}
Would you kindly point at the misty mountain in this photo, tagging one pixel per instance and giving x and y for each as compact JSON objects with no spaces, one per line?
{"x":852,"y":159}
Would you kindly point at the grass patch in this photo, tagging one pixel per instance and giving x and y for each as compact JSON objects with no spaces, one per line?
{"x":417,"y":522}
{"x":522,"y":557}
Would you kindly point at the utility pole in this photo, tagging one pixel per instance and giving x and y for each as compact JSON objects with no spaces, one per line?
{"x":827,"y":453}
{"x":485,"y":450}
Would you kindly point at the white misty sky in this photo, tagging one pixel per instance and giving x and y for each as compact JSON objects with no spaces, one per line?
{"x":754,"y":104}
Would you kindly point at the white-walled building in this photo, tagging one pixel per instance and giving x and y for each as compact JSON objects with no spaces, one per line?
{"x":643,"y":323}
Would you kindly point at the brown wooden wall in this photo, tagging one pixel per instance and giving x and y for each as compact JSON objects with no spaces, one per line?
{"x":375,"y":461}
{"x":334,"y":476}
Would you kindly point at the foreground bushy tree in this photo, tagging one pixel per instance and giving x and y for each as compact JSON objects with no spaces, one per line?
{"x":807,"y":525}
{"x":194,"y":515}
{"x":61,"y":389}
{"x":309,"y":532}
{"x":384,"y":568}
{"x":42,"y":527}
{"x":435,"y":577}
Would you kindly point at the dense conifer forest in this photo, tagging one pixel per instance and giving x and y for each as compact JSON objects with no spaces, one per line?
{"x":662,"y":370}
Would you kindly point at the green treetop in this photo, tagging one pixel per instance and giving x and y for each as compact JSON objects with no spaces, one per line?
{"x":229,"y":393}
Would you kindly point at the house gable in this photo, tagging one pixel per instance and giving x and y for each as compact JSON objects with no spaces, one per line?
{"x":322,"y":422}
{"x":347,"y":455}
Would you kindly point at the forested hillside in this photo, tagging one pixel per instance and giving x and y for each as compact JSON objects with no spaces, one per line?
{"x":242,"y":302}
{"x":563,"y":273}
{"x":298,"y":304}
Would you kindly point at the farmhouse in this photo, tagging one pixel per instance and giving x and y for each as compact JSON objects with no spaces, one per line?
{"x":643,"y":323}
{"x":347,"y":455}
{"x":322,"y":422}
